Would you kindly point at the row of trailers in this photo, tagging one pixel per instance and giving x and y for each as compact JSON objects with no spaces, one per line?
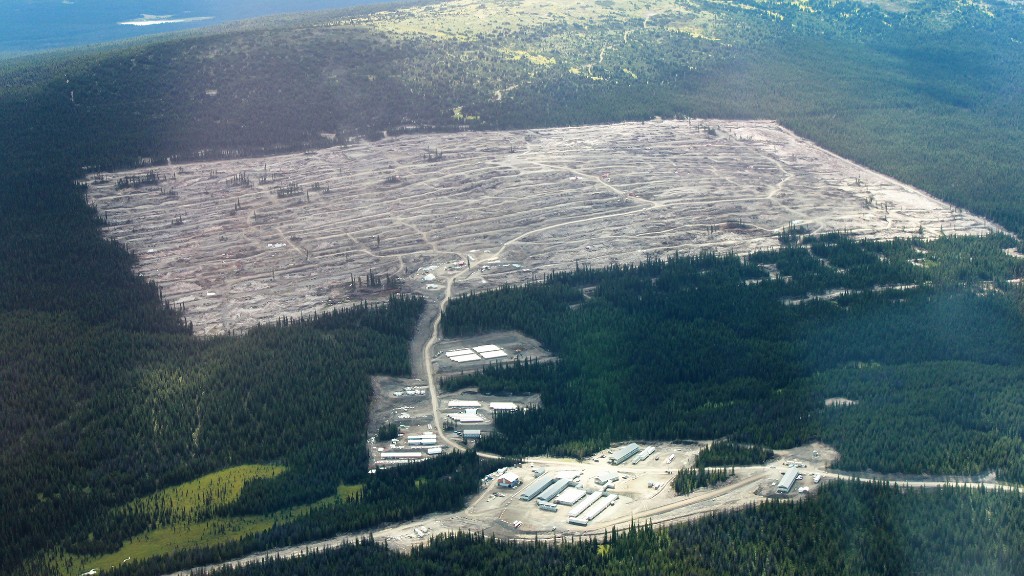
{"x":552,"y":490}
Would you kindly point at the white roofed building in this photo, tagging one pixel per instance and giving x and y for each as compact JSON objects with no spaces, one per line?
{"x":509,"y":480}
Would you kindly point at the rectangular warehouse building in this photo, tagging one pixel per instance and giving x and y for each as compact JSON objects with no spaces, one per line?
{"x":585,"y":503}
{"x":594,"y":511}
{"x":555,"y":489}
{"x":401,"y":455}
{"x":536,"y":487}
{"x":623,"y":453}
{"x":465,"y":418}
{"x":508,"y":480}
{"x":570,"y":496}
{"x":786,"y":484}
{"x":643,"y":455}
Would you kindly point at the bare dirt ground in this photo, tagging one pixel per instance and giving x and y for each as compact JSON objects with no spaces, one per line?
{"x":237,"y":242}
{"x":512,"y":343}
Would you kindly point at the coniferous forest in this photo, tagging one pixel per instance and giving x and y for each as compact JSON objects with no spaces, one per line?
{"x":106,"y":398}
{"x":924,"y":336}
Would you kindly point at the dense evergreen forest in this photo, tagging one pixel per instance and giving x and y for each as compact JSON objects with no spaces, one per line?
{"x":129,"y":412}
{"x":440,"y":484}
{"x":105,"y":397}
{"x":725,"y":453}
{"x":689,"y":479}
{"x":926,"y":337}
{"x":850,"y":528}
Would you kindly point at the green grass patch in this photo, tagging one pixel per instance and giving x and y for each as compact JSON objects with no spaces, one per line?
{"x":209,"y":492}
{"x":198,"y":499}
{"x":179,"y":536}
{"x":346,"y":491}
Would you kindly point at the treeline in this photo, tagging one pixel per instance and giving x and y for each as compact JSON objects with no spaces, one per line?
{"x":849,"y":528}
{"x":726,"y":453}
{"x":711,"y":346}
{"x":387,"y":431}
{"x":518,"y":376}
{"x":688,"y":480}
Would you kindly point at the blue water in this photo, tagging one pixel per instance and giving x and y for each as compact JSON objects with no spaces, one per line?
{"x":34,"y":25}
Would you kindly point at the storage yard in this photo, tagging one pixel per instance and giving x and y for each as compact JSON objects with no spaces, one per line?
{"x":406,"y":403}
{"x":241,"y":241}
{"x":631,"y":481}
{"x":556,"y":498}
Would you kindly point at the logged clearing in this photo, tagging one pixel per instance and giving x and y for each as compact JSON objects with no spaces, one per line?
{"x":243,"y":241}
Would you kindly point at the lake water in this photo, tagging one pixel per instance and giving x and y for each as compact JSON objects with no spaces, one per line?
{"x":33,"y":25}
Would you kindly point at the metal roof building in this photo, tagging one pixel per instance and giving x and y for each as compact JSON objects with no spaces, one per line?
{"x":593,"y":512}
{"x":644,"y":455}
{"x":401,"y":455}
{"x":786,"y":484}
{"x":536,"y":487}
{"x":585,"y":503}
{"x":605,"y":477}
{"x":555,"y":489}
{"x":508,"y":480}
{"x":570,"y":496}
{"x":465,"y":418}
{"x":622,"y":454}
